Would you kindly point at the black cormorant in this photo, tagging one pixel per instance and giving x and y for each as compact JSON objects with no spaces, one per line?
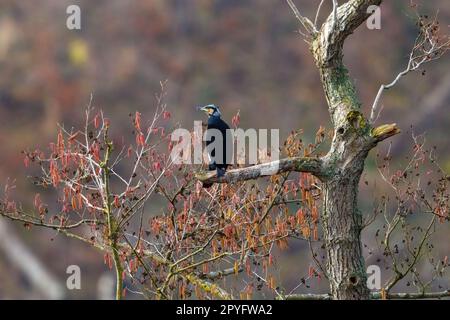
{"x":220,"y":158}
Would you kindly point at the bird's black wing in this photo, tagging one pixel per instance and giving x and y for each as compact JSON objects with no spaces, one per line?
{"x":225,"y":158}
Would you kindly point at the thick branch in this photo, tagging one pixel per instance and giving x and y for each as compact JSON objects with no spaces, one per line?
{"x":425,"y":295}
{"x":327,"y":50}
{"x":299,"y":164}
{"x":26,"y":219}
{"x":375,"y":295}
{"x":209,"y":287}
{"x":308,"y":296}
{"x":384,"y":131}
{"x":214,"y":275}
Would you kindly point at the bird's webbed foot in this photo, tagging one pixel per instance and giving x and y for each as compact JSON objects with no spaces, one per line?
{"x":220,"y":172}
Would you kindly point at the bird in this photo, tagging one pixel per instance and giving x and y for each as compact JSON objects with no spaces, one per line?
{"x":221,"y":159}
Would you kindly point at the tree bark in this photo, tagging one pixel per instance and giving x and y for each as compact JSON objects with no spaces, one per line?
{"x":352,"y":141}
{"x":342,"y":224}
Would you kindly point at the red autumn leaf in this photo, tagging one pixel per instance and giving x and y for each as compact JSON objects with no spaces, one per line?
{"x":137,"y":121}
{"x":80,"y":200}
{"x":107,"y":260}
{"x":228,"y":230}
{"x":156,"y":226}
{"x":236,"y":119}
{"x":97,"y":121}
{"x":54,"y":173}
{"x":315,"y":232}
{"x":300,"y":217}
{"x":95,"y":151}
{"x":140,"y":139}
{"x":166,"y":115}
{"x":60,"y":143}
{"x":74,"y":203}
{"x":157,"y":166}
{"x":116,"y":201}
{"x":270,"y":259}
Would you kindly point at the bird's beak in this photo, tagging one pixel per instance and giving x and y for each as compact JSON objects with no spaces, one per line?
{"x":205,"y":110}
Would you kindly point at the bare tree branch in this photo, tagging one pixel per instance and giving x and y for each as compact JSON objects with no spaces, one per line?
{"x":316,"y":19}
{"x":428,"y":46}
{"x":306,"y":23}
{"x":300,"y":164}
{"x":335,"y":17}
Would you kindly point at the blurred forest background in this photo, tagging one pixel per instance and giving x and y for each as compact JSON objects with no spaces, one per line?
{"x":240,"y":55}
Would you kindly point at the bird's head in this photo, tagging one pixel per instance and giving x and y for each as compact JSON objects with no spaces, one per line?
{"x":211,"y":110}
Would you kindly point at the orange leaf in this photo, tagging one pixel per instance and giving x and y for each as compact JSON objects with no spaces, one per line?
{"x":137,"y":121}
{"x":74,"y":203}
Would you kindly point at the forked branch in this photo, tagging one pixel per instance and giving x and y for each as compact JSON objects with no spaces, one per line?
{"x":429,"y":46}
